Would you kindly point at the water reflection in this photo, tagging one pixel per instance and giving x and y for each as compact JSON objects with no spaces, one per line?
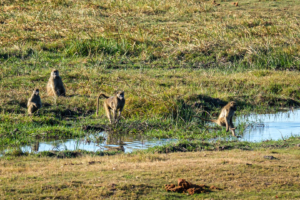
{"x":35,"y":146}
{"x":271,"y":126}
{"x":97,"y":142}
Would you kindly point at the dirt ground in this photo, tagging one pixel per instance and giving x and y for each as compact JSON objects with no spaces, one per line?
{"x":258,"y":174}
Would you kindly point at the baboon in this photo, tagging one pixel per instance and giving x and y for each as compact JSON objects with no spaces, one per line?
{"x":55,"y":86}
{"x":34,"y":102}
{"x":115,"y":104}
{"x":225,"y":117}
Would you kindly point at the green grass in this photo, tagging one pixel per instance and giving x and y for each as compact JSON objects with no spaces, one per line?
{"x":159,"y":103}
{"x":149,"y":33}
{"x":225,"y":144}
{"x":173,"y":59}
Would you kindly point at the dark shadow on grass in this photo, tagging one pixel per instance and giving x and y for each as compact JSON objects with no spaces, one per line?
{"x":74,"y":154}
{"x":78,"y":95}
{"x":17,"y":54}
{"x":208,"y":103}
{"x":62,"y":154}
{"x":198,"y":145}
{"x":68,"y":114}
{"x":127,"y":127}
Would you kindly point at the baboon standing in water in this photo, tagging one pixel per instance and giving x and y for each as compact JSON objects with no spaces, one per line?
{"x":225,"y":117}
{"x":55,"y":86}
{"x":115,"y":104}
{"x":34,"y":102}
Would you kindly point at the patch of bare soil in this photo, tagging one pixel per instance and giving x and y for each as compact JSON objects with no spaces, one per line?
{"x":187,"y":187}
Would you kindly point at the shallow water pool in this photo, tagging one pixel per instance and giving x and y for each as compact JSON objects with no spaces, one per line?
{"x":276,"y":126}
{"x":262,"y":127}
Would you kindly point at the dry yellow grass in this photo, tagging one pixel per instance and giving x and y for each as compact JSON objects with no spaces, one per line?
{"x":241,"y":174}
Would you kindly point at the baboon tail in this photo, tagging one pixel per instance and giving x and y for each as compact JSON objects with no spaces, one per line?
{"x":99,"y":96}
{"x":102,"y":95}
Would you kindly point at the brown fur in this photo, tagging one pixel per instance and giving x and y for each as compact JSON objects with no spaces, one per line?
{"x":34,"y":102}
{"x":225,"y":117}
{"x":115,"y":104}
{"x":55,"y":86}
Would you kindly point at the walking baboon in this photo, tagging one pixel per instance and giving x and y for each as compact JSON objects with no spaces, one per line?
{"x":34,"y":102}
{"x":225,"y":117}
{"x":55,"y":86}
{"x":112,"y":104}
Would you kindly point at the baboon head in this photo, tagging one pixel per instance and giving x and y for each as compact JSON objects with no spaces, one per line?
{"x":55,"y":73}
{"x":233,"y":105}
{"x":120,"y":95}
{"x":36,"y":91}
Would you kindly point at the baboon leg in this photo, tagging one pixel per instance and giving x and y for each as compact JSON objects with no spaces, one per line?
{"x":227,"y":125}
{"x":232,"y":129}
{"x":231,"y":124}
{"x":107,"y":111}
{"x":115,"y":116}
{"x":53,"y":91}
{"x":233,"y":132}
{"x":57,"y":93}
{"x":62,"y":92}
{"x":119,"y":117}
{"x":30,"y":110}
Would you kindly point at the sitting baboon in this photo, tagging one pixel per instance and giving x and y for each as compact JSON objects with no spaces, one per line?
{"x":34,"y":102}
{"x":55,"y":86}
{"x":115,"y":104}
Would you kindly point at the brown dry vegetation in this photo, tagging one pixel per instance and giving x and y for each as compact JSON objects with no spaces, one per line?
{"x":166,"y":28}
{"x":241,"y":174}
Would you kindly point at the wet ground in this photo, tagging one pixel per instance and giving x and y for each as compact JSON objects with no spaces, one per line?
{"x":261,"y":127}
